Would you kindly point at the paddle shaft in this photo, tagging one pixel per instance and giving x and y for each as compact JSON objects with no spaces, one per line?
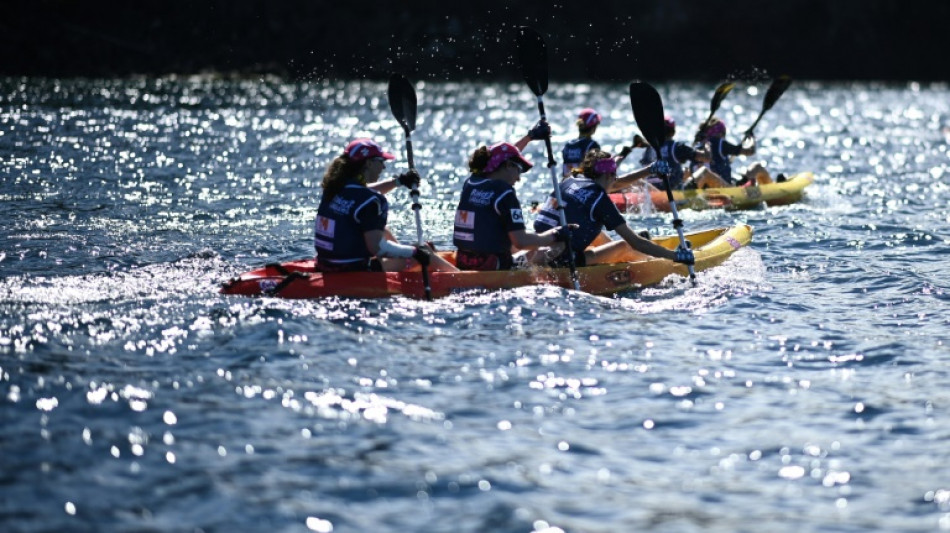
{"x":751,"y":130}
{"x":416,"y":208}
{"x":648,"y":114}
{"x":718,"y":96}
{"x":533,"y":54}
{"x":774,"y":92}
{"x":414,"y":193}
{"x":403,"y":96}
{"x":560,"y":201}
{"x":678,"y":223}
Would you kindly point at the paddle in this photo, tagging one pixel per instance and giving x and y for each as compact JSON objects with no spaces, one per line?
{"x":402,"y":101}
{"x":718,"y":96}
{"x":772,"y":95}
{"x":648,"y":113}
{"x":533,"y":55}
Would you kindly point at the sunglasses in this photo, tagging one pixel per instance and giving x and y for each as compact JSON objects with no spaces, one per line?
{"x":512,"y":163}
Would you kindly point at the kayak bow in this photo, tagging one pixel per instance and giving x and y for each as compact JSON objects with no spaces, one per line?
{"x":298,"y":279}
{"x":778,"y":193}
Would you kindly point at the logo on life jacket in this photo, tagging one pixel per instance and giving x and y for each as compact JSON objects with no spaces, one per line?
{"x":325,"y":226}
{"x":465,"y":219}
{"x":341,"y":205}
{"x":477,"y":197}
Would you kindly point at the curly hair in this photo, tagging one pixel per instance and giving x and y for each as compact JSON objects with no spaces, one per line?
{"x":341,"y":170}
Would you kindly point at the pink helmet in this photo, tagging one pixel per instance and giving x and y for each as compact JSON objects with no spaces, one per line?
{"x":361,"y":149}
{"x":717,"y":128}
{"x":588,"y":117}
{"x":501,"y":152}
{"x":669,"y":122}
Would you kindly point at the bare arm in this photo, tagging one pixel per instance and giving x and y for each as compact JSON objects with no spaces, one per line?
{"x":532,"y":241}
{"x":371,"y":238}
{"x":383,"y":187}
{"x":521,"y":143}
{"x":628,"y":179}
{"x":702,"y":155}
{"x":642,"y":245}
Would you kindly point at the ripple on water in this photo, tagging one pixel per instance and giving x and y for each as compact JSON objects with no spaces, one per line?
{"x":798,"y":385}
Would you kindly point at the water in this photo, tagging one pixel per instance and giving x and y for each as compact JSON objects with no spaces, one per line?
{"x":802,"y":386}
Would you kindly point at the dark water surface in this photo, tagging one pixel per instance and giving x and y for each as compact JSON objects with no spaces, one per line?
{"x":802,"y":386}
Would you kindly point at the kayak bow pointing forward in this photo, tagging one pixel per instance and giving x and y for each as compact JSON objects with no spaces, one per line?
{"x":297,"y":279}
{"x":778,"y":193}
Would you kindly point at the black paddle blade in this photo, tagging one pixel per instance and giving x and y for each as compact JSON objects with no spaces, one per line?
{"x":533,"y":56}
{"x":648,"y":112}
{"x":402,"y":101}
{"x":775,"y":91}
{"x":719,"y":96}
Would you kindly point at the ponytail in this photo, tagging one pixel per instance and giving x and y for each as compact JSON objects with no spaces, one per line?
{"x":341,"y":171}
{"x":479,"y":160}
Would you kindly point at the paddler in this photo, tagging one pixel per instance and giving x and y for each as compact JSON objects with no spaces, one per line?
{"x":588,"y":206}
{"x":675,"y":154}
{"x":574,"y":151}
{"x":489,"y":221}
{"x":718,"y":173}
{"x":350,"y":232}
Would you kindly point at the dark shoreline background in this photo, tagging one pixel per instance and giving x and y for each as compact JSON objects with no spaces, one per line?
{"x":607,"y":40}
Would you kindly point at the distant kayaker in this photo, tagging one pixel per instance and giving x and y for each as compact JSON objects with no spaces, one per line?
{"x":489,"y":221}
{"x":675,"y":153}
{"x":350,"y":230}
{"x":588,"y":205}
{"x":574,"y":151}
{"x":718,"y":173}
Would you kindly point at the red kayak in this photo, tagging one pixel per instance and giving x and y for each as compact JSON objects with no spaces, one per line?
{"x":298,"y":279}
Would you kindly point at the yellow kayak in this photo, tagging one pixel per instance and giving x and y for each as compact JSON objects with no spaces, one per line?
{"x":777,"y":193}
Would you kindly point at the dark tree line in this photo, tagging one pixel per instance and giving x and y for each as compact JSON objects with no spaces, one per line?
{"x":606,"y":40}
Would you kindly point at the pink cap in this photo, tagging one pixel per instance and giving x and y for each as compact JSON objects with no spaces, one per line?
{"x":590,"y":117}
{"x":362,"y":149}
{"x":716,"y":129}
{"x":669,"y":122}
{"x":502,"y":152}
{"x":606,"y":165}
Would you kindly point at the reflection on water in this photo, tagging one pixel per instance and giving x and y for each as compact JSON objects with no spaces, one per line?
{"x":807,"y":370}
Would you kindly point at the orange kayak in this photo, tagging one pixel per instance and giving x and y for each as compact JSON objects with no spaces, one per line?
{"x":778,"y":193}
{"x":297,"y":279}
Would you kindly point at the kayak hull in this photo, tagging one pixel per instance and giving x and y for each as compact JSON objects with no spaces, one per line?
{"x":733,"y":198}
{"x":298,"y":280}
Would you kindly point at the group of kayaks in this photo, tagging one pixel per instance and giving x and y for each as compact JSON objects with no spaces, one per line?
{"x":300,"y":279}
